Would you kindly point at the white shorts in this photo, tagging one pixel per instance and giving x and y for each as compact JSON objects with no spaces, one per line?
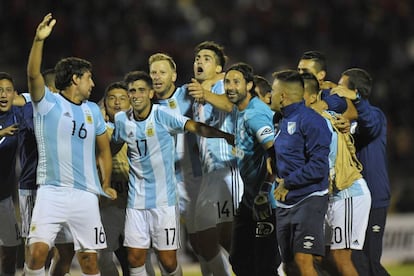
{"x":159,"y":227}
{"x":59,"y":206}
{"x":188,"y":193}
{"x":9,"y":229}
{"x":26,"y":202}
{"x":219,"y":197}
{"x":347,"y":221}
{"x":113,"y":220}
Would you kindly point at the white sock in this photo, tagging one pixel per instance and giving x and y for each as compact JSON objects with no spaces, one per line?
{"x":205,"y":271}
{"x":148,"y":265}
{"x":177,"y":272}
{"x":219,"y":265}
{"x":137,"y":271}
{"x":34,"y":272}
{"x":83,"y":274}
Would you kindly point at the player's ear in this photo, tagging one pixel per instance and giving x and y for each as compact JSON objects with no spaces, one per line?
{"x":249,"y":85}
{"x":219,"y":68}
{"x":321,"y":75}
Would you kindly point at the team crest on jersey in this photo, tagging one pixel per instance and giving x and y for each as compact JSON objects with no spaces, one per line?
{"x":172,"y":104}
{"x":239,"y":153}
{"x":291,"y":127}
{"x":89,"y":119}
{"x":150,"y":131}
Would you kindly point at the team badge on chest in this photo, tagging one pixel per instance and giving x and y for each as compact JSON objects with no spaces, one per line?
{"x":172,"y":104}
{"x":291,"y":127}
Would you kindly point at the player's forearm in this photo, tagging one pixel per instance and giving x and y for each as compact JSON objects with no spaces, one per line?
{"x":105,"y":166}
{"x":218,"y":101}
{"x":34,"y":76}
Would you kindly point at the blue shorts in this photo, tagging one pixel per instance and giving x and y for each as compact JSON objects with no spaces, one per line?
{"x":300,"y":229}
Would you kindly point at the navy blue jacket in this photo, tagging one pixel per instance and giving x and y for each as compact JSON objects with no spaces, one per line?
{"x":335,"y":102}
{"x":28,"y":149}
{"x":302,"y":149}
{"x":371,"y":146}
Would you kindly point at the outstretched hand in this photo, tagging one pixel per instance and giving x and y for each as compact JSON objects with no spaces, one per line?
{"x":45,"y":27}
{"x":345,"y":92}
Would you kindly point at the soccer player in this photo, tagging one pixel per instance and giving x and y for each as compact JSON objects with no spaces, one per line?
{"x":349,"y":198}
{"x":163,"y":72}
{"x":302,"y":147}
{"x":9,"y":127}
{"x":152,"y":214}
{"x":113,"y":211}
{"x":314,"y":62}
{"x":371,"y":145}
{"x":254,"y":249}
{"x":69,"y":130}
{"x":263,"y":89}
{"x":63,"y":253}
{"x":222,"y":186}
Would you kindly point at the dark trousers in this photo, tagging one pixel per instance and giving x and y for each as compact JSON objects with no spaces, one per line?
{"x":254,"y":249}
{"x":368,"y":261}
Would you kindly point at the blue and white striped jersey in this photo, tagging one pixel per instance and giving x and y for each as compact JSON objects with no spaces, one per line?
{"x":215,"y":153}
{"x":187,"y":153}
{"x":151,"y":155}
{"x":66,"y":136}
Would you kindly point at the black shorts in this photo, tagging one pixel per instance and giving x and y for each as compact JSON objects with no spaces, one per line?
{"x":254,"y":250}
{"x":300,"y":229}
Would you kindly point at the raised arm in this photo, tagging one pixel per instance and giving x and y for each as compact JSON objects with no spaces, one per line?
{"x":35,"y":79}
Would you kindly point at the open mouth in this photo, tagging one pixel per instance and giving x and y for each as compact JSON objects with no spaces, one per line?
{"x":200,"y":70}
{"x":157,"y":85}
{"x":3,"y":103}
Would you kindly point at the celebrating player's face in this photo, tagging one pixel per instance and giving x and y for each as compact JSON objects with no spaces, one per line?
{"x":163,"y":76}
{"x":205,"y":65}
{"x":235,"y":86}
{"x":7,"y":94}
{"x":140,"y":95}
{"x":116,"y":100}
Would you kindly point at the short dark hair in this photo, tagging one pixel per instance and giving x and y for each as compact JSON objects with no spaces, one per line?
{"x":115,"y":85}
{"x":289,"y":76}
{"x":67,"y":67}
{"x":263,"y":85}
{"x":310,"y":81}
{"x":6,"y":76}
{"x":137,"y":75}
{"x":318,"y":57}
{"x":360,"y":80}
{"x":216,"y":48}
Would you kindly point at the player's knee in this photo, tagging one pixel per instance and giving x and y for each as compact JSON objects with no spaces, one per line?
{"x":135,"y":259}
{"x":38,"y":254}
{"x":88,"y":261}
{"x":169,"y":264}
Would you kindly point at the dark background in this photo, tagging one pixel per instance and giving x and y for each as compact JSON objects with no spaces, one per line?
{"x":118,"y":36}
